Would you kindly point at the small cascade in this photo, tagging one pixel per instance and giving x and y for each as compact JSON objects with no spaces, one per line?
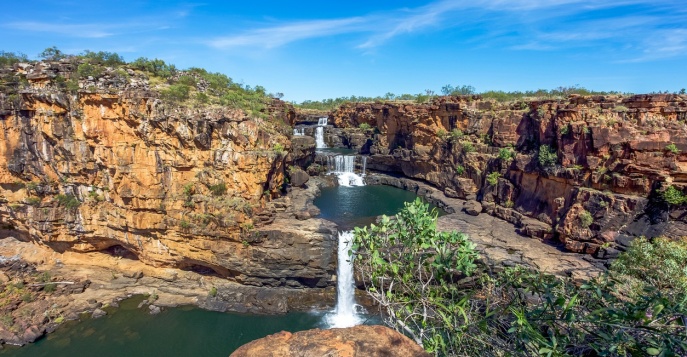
{"x":319,"y":134}
{"x":345,"y":314}
{"x":298,"y":131}
{"x":319,"y":138}
{"x":364,"y":159}
{"x":343,"y":166}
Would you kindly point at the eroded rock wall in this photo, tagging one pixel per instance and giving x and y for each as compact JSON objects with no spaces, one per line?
{"x":114,"y":168}
{"x":610,"y":157}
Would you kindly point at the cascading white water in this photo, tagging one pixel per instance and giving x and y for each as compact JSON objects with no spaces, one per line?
{"x":345,"y":313}
{"x":319,"y":134}
{"x":364,"y":158}
{"x":319,"y":138}
{"x":343,"y":166}
{"x":298,"y":131}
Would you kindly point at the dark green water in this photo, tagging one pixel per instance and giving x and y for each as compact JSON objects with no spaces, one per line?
{"x":189,"y":331}
{"x":184,"y":331}
{"x":359,"y":206}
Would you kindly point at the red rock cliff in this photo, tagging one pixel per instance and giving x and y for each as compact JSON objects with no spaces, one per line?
{"x":609,"y":158}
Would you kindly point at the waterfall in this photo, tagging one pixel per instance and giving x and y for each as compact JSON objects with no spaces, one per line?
{"x":345,"y":313}
{"x":298,"y":131}
{"x":319,"y":138}
{"x":319,"y":134}
{"x":364,"y":158}
{"x":343,"y":166}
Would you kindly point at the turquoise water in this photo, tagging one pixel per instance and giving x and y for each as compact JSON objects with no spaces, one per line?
{"x":190,"y":331}
{"x":359,"y":206}
{"x":184,"y":331}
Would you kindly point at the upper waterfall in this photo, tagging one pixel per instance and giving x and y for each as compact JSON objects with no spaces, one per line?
{"x":319,"y":134}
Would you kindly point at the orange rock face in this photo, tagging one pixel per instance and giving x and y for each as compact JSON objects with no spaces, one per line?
{"x":175,"y":187}
{"x":611,"y":156}
{"x":355,"y":341}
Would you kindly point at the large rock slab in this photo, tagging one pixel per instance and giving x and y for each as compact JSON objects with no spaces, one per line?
{"x":358,"y":341}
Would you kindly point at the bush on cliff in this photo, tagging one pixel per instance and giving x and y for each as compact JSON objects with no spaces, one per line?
{"x":423,"y":283}
{"x":547,"y":156}
{"x":673,"y":196}
{"x":661,"y":263}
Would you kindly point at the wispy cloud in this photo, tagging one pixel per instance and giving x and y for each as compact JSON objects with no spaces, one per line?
{"x":72,"y":30}
{"x":666,"y":44}
{"x":275,"y":36}
{"x":66,"y":26}
{"x":539,"y":23}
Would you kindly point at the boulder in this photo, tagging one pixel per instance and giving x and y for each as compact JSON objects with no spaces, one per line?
{"x":299,"y":177}
{"x":98,"y":313}
{"x":473,"y":208}
{"x":339,"y":342}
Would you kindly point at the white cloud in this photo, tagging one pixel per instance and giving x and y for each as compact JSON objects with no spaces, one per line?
{"x":275,"y":36}
{"x":73,"y":30}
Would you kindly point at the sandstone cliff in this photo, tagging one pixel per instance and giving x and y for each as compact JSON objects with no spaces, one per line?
{"x":587,"y":170}
{"x":107,"y":165}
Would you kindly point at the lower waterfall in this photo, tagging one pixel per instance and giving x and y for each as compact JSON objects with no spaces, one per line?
{"x":345,"y":314}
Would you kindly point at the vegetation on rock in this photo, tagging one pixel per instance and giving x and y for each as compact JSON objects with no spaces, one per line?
{"x":428,"y":286}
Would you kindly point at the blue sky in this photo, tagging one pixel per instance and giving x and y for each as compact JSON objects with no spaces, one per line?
{"x":322,"y":49}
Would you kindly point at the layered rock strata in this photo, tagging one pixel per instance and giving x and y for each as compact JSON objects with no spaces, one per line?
{"x":589,"y":170}
{"x":111,"y":167}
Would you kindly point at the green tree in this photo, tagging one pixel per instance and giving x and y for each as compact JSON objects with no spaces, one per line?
{"x":411,"y":270}
{"x":52,"y":54}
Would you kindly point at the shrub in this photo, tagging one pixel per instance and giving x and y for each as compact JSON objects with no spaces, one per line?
{"x":110,"y":59}
{"x":202,"y":98}
{"x":187,"y":80}
{"x":156,"y":67}
{"x":33,"y":201}
{"x":673,"y":196}
{"x":456,"y":134}
{"x":410,"y":269}
{"x":672,"y":148}
{"x":219,"y":189}
{"x":506,"y":154}
{"x":661,"y":263}
{"x":365,"y":126}
{"x":442,"y":134}
{"x":213,"y":292}
{"x":460,"y":170}
{"x":547,"y":156}
{"x":88,"y":70}
{"x":279,"y":148}
{"x":176,"y":93}
{"x":184,"y":224}
{"x":565,"y":129}
{"x":468,"y":147}
{"x":10,"y":58}
{"x":69,"y":201}
{"x":493,"y":178}
{"x":586,"y":219}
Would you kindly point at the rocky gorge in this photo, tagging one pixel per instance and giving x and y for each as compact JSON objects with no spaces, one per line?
{"x":111,"y":188}
{"x":585,"y":171}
